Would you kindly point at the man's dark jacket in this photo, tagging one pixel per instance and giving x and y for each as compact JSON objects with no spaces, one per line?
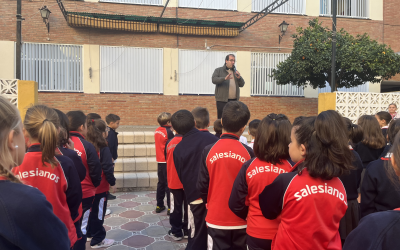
{"x":222,"y":85}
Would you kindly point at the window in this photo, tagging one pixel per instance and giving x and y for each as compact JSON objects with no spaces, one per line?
{"x":144,"y":2}
{"x":56,"y":67}
{"x":209,"y":4}
{"x":261,"y":82}
{"x":346,"y":8}
{"x":290,"y":7}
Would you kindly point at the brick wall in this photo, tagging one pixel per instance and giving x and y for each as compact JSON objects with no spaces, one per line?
{"x":142,"y":109}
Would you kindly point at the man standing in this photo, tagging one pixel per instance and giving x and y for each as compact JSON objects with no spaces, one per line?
{"x":227,"y":81}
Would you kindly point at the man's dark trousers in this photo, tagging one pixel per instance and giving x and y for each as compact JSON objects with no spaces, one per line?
{"x":162,"y":185}
{"x":221,"y":105}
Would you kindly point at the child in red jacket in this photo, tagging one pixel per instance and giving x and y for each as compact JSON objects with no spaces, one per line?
{"x":161,"y":136}
{"x":272,"y":159}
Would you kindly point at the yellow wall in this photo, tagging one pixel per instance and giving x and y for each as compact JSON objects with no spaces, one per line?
{"x":172,"y":3}
{"x":7,"y":60}
{"x":171,"y":65}
{"x":326,"y":101}
{"x":91,"y":59}
{"x":312,"y":7}
{"x":244,"y":5}
{"x":27,"y":96}
{"x":243,"y":65}
{"x":376,"y":10}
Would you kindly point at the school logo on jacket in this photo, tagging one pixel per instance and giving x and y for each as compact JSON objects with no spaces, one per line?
{"x":229,"y":154}
{"x":266,"y":169}
{"x":32,"y":173}
{"x":320,"y":189}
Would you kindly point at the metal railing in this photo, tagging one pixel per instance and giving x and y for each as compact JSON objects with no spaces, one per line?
{"x":346,"y":8}
{"x":209,"y":4}
{"x":261,"y":82}
{"x":56,"y":67}
{"x":131,"y":70}
{"x":290,"y":7}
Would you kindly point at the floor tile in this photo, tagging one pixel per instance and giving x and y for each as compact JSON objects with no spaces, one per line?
{"x":132,"y":214}
{"x":115,"y":221}
{"x":155,"y":231}
{"x":161,"y":245}
{"x":129,"y":204}
{"x":118,"y":234}
{"x":135,"y":226}
{"x":138,"y":241}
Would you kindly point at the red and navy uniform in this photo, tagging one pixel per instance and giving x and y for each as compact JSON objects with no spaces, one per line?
{"x":254,"y":175}
{"x":310,"y":210}
{"x":27,"y":219}
{"x":80,"y":168}
{"x":95,"y":228}
{"x":378,"y":193}
{"x":161,"y":136}
{"x":220,"y":164}
{"x":187,"y":159}
{"x":91,"y":161}
{"x":112,"y":140}
{"x":60,"y":184}
{"x":176,"y":190}
{"x":367,"y":154}
{"x":377,"y":231}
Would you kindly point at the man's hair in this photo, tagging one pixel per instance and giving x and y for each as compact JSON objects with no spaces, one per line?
{"x":227,"y":57}
{"x":218,"y":126}
{"x":253,"y":125}
{"x":182,"y":121}
{"x":112,"y":118}
{"x":163,"y":118}
{"x":235,"y":116}
{"x":201,"y":117}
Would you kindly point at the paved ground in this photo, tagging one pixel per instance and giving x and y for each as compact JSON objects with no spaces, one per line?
{"x":134,"y":224}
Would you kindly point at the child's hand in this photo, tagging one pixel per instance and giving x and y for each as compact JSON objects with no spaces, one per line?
{"x":70,"y":144}
{"x":113,"y":189}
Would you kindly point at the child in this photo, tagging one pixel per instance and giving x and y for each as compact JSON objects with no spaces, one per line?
{"x":377,"y":192}
{"x":312,"y":201}
{"x":66,"y":146}
{"x":187,"y":157}
{"x":272,"y":159}
{"x":253,"y":125}
{"x":55,"y":176}
{"x":351,"y":182}
{"x":218,"y":128}
{"x":161,"y":136}
{"x":97,"y":134}
{"x":112,"y":139}
{"x":384,"y":119}
{"x":27,"y":221}
{"x":201,"y":119}
{"x":86,"y":150}
{"x":220,"y":164}
{"x":373,"y":143}
{"x":380,"y":230}
{"x":177,"y":194}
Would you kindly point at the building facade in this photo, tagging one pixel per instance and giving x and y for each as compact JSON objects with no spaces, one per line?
{"x":140,"y":74}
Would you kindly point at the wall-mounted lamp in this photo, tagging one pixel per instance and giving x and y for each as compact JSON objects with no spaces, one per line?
{"x":283,"y":26}
{"x":45,"y":12}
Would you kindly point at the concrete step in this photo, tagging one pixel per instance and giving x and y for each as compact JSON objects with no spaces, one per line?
{"x":135,"y":137}
{"x":136,"y":164}
{"x":147,"y":180}
{"x":136,"y":150}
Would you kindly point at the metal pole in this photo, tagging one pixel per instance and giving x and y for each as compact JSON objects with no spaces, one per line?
{"x":333,"y":73}
{"x":18,"y":49}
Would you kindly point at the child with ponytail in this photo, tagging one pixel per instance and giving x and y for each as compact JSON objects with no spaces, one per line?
{"x":312,"y":201}
{"x":272,"y":158}
{"x":97,"y":134}
{"x":90,"y":159}
{"x":54,"y":175}
{"x":23,"y":206}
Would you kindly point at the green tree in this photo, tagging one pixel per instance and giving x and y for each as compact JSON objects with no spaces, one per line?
{"x":358,"y":59}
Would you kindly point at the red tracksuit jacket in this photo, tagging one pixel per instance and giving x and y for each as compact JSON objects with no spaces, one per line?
{"x":250,"y":182}
{"x":161,"y":136}
{"x":220,"y":164}
{"x":60,"y":185}
{"x":90,"y":159}
{"x":310,"y":209}
{"x":172,"y":176}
